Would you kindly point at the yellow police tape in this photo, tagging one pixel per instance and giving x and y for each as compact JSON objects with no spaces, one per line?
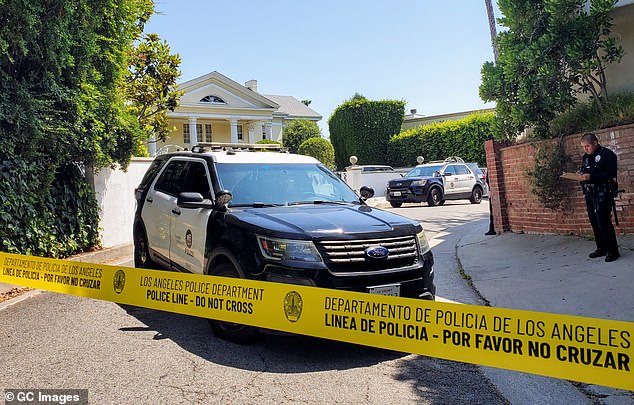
{"x":583,"y":349}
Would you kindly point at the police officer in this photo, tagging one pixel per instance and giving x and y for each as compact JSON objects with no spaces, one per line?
{"x":598,"y":170}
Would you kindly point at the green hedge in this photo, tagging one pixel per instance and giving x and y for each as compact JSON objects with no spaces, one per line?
{"x":56,"y":219}
{"x":437,"y":141}
{"x":363,"y":128}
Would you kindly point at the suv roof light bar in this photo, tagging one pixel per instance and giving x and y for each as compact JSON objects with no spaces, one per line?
{"x":236,"y":147}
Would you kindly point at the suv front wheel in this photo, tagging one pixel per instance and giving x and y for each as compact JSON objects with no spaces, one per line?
{"x":435,"y":197}
{"x":233,"y":332}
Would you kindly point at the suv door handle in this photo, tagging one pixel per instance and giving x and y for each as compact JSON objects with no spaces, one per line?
{"x":176,"y":211}
{"x":149,"y":199}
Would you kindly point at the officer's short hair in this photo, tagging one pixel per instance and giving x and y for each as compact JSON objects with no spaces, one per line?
{"x":589,"y":137}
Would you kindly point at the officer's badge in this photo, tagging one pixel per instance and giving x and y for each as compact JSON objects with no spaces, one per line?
{"x":597,"y":158}
{"x":119,"y":281}
{"x":293,"y":306}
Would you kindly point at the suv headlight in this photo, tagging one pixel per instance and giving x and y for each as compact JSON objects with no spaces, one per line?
{"x":423,"y":244}
{"x":419,"y":182}
{"x":288,"y":249}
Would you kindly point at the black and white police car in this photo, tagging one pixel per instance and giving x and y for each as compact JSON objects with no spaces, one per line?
{"x":237,"y":211}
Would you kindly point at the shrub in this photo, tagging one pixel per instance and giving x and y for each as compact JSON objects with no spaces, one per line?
{"x":584,"y":117}
{"x":319,"y":148}
{"x":297,"y":131}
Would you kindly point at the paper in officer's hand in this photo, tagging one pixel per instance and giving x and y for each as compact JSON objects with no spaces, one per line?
{"x":571,"y":176}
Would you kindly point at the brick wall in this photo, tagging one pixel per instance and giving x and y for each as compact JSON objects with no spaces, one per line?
{"x":517,"y":209}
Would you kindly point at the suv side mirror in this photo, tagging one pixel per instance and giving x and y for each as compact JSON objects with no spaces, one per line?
{"x":436,"y":173}
{"x":193,"y":200}
{"x":223,"y":197}
{"x":366,"y":192}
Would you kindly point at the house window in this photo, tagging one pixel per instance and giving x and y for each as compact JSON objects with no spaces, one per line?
{"x":199,"y":132}
{"x":212,"y":99}
{"x":263,"y":132}
{"x":239,"y":132}
{"x":187,"y":137}
{"x":207,"y":132}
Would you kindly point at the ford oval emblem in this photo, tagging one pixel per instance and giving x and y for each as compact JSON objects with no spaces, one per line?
{"x":377,"y":252}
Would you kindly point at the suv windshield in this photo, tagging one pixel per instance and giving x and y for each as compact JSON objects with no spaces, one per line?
{"x":282,"y":184}
{"x":424,"y":171}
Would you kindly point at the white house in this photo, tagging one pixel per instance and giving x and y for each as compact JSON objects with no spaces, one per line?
{"x":214,"y":108}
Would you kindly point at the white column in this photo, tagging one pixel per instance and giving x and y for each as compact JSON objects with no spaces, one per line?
{"x":251,"y":133}
{"x":278,"y":128}
{"x":151,"y":145}
{"x":193,"y":132}
{"x":234,"y":131}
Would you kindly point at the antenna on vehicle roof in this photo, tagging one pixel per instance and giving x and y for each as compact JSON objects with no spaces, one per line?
{"x":456,"y":159}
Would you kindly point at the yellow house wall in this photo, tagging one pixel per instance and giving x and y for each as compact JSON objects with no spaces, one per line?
{"x":221,"y":132}
{"x":619,"y":75}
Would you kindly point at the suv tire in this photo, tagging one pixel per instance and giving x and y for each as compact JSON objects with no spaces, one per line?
{"x":395,"y":204}
{"x":142,"y":258}
{"x":435,"y":197}
{"x":476,"y":195}
{"x":233,"y":332}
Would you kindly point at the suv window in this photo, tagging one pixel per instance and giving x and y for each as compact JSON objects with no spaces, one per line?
{"x":155,"y":166}
{"x":172,"y":178}
{"x":282,"y":184}
{"x":461,"y":169}
{"x":424,"y":171}
{"x":198,"y":180}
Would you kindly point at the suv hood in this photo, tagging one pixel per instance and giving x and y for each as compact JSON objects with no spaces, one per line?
{"x":323,"y":221}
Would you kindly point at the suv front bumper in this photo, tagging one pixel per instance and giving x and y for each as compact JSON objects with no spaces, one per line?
{"x":403,"y":195}
{"x":414,"y":281}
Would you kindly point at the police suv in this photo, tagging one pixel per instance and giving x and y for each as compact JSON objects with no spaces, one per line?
{"x":436,"y":182}
{"x":237,"y":211}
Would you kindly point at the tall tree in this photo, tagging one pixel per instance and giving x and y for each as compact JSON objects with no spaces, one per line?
{"x":492,"y":29}
{"x":551,"y":51}
{"x":150,"y":85}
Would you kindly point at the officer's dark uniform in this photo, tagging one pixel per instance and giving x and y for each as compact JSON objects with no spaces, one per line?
{"x":601,"y":165}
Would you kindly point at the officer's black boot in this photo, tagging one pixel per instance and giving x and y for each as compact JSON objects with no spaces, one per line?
{"x":598,"y":253}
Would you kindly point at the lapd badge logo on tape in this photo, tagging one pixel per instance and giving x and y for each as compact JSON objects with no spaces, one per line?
{"x":119,"y":281}
{"x":293,"y":306}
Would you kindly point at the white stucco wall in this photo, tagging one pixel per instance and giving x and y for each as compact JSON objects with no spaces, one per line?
{"x":356,"y":179}
{"x":114,"y":191}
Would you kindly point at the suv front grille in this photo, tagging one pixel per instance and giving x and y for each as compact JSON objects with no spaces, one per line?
{"x":348,"y":256}
{"x":399,"y":183}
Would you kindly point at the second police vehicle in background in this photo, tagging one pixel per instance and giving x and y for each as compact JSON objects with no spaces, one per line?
{"x":234,"y":211}
{"x":436,"y":182}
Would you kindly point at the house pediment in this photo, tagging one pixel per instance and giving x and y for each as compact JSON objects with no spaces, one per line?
{"x":220,"y":92}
